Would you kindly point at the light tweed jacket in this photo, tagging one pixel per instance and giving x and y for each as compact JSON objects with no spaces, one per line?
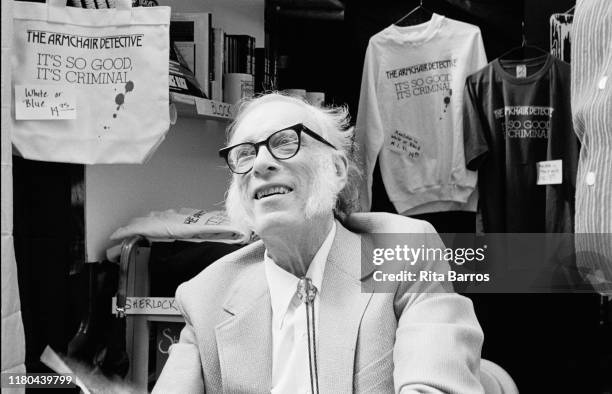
{"x":367,"y":343}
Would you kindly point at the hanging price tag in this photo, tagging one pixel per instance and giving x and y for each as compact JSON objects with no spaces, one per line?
{"x":550,"y":172}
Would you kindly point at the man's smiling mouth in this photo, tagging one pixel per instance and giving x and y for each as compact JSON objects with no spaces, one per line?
{"x":271,"y":191}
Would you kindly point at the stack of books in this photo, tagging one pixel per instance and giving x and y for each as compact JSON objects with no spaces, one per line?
{"x":240,"y":54}
{"x":209,"y":53}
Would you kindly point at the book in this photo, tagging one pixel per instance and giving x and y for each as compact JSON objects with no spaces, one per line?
{"x":229,"y":58}
{"x":261,"y":84}
{"x":243,"y":53}
{"x":216,"y":84}
{"x":191,"y":32}
{"x":252,"y":55}
{"x":181,"y":78}
{"x":233,"y":61}
{"x":225,"y":54}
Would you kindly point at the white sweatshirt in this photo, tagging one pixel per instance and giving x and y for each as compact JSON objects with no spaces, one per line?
{"x":410,"y":114}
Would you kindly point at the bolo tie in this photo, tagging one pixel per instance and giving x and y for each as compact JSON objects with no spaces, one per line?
{"x":306,"y":292}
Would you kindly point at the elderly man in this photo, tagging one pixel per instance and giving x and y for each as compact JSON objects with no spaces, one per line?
{"x":294,"y":312}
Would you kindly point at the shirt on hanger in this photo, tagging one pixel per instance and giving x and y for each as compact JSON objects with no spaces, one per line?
{"x":592,"y":106}
{"x":519,"y":136}
{"x":410,"y":114}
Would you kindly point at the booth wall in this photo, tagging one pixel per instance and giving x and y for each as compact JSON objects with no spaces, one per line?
{"x":184,"y":172}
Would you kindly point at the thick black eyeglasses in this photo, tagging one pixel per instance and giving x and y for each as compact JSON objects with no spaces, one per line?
{"x":282,"y":145}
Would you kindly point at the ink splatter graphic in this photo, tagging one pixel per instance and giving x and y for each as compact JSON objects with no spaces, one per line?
{"x":120,"y":98}
{"x":447,"y":99}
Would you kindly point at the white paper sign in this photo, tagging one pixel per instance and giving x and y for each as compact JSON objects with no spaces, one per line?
{"x":550,"y":172}
{"x":405,"y":144}
{"x":215,"y":109}
{"x":45,"y":102}
{"x":521,"y":71}
{"x":148,"y":306}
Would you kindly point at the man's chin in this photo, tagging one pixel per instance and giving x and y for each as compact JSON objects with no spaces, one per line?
{"x":274,"y":222}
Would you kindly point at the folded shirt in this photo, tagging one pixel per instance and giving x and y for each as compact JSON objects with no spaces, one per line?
{"x":186,"y":224}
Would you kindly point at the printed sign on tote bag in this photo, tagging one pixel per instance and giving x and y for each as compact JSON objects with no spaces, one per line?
{"x":90,"y":85}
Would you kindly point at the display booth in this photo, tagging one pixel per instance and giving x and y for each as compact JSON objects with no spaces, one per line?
{"x":483,"y":124}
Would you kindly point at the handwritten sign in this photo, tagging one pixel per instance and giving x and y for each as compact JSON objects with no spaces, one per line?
{"x":550,"y":172}
{"x":45,"y":102}
{"x":148,"y":306}
{"x":402,"y":142}
{"x":213,"y":108}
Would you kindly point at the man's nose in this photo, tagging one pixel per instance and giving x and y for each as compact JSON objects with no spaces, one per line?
{"x":264,"y":162}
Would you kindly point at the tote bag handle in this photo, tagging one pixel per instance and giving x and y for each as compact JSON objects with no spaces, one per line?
{"x":57,"y":11}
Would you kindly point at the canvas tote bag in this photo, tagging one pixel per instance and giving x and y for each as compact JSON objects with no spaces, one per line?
{"x":90,"y":86}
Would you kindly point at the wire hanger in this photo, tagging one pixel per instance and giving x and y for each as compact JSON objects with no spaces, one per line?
{"x":524,"y":51}
{"x":424,"y":13}
{"x":570,"y":11}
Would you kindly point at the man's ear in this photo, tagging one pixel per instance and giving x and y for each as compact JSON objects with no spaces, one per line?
{"x":341,"y":166}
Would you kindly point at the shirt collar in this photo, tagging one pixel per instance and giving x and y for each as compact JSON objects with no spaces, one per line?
{"x":283,"y":284}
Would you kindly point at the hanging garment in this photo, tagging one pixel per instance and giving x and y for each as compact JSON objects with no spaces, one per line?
{"x":519,"y":136}
{"x":560,"y":33}
{"x":592,"y":115}
{"x":410,"y":114}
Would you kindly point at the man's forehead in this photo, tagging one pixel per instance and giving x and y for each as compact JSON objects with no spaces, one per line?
{"x":267,"y":118}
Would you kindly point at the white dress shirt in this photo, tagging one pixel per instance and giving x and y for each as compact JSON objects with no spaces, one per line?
{"x":290,"y":367}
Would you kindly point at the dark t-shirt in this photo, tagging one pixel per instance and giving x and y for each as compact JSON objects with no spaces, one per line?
{"x":517,"y":114}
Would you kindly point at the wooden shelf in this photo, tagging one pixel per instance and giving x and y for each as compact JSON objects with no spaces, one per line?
{"x":196,"y":107}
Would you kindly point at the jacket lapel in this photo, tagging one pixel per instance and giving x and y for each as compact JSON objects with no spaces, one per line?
{"x":244,"y":339}
{"x":342,"y":306}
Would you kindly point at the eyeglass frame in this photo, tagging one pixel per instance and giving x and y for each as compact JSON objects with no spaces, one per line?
{"x":298,"y":128}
